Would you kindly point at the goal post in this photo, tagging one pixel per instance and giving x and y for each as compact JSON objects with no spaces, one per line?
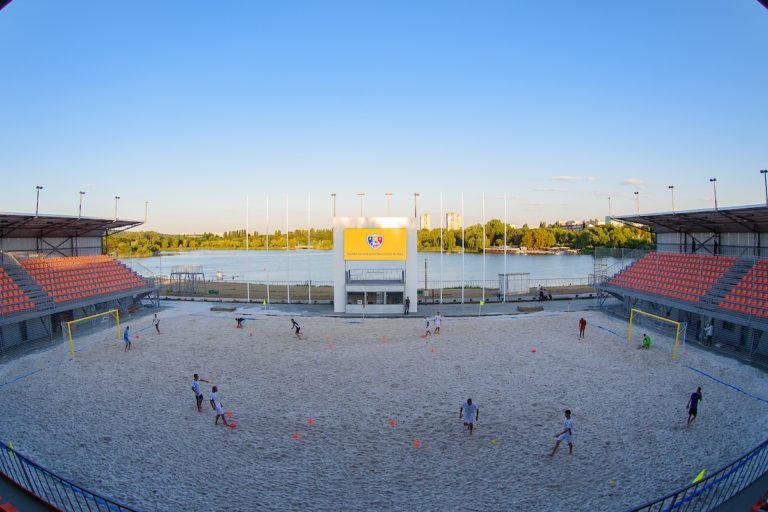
{"x":112,"y":312}
{"x":674,"y":323}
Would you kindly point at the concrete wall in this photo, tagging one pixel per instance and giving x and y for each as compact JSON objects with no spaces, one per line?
{"x":340,"y":266}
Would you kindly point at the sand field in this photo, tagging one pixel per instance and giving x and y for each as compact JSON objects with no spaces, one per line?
{"x":125,"y":424}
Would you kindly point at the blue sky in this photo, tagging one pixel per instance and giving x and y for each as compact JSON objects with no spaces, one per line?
{"x":194,"y":106}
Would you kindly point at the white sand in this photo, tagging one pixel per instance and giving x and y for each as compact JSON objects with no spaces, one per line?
{"x":125,"y":425}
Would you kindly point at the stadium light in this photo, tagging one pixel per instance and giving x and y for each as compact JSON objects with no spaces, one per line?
{"x":360,"y":195}
{"x":415,"y":196}
{"x":637,"y":195}
{"x":714,"y":186}
{"x":80,"y":207}
{"x":334,"y":204}
{"x":146,"y":203}
{"x":764,"y":172}
{"x":672,"y":188}
{"x":389,"y":196}
{"x":37,"y":201}
{"x":116,"y":198}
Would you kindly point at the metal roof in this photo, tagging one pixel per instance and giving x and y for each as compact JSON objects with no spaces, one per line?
{"x":18,"y":225}
{"x":740,"y":219}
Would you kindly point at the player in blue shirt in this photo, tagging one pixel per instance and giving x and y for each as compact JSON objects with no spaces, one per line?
{"x":693,"y":405}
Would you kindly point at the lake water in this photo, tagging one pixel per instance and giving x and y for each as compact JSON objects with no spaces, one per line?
{"x":318,"y":265}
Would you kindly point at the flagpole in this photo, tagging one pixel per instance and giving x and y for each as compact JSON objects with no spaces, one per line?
{"x":463,"y":247}
{"x":483,"y":281}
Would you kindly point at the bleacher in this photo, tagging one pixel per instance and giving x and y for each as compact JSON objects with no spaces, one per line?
{"x":750,"y":295}
{"x":12,"y":298}
{"x":686,"y":277}
{"x":81,"y":277}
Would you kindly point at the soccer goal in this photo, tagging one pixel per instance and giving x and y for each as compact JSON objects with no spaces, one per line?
{"x":101,"y":322}
{"x":665,"y":326}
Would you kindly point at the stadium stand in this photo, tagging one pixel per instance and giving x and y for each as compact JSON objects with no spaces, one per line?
{"x":80,"y":277}
{"x":686,"y":277}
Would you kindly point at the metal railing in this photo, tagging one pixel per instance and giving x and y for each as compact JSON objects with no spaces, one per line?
{"x":714,"y":490}
{"x":50,"y":487}
{"x":384,"y":274}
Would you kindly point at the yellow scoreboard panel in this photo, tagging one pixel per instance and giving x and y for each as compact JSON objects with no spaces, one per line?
{"x":375,"y":244}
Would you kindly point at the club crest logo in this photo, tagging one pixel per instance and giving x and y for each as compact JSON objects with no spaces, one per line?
{"x":375,"y":241}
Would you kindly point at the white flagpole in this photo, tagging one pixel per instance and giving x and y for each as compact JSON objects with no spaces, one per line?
{"x":309,"y":247}
{"x":287,"y":259}
{"x":267,"y":263}
{"x":247,"y":284}
{"x":463,"y":247}
{"x":483,"y":281}
{"x":441,"y":248}
{"x":505,"y":248}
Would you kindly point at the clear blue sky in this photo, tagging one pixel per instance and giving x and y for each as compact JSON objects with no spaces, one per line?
{"x":195,"y":105}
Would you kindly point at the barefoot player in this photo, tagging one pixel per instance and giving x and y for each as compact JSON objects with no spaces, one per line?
{"x":469,"y":412}
{"x":216,"y":406}
{"x":565,"y":435}
{"x":296,"y":326}
{"x":198,"y":393}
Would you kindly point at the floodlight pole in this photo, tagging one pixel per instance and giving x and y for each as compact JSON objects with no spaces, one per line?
{"x":672,"y":188}
{"x":146,"y":205}
{"x":415,"y":197}
{"x":764,"y":172}
{"x":360,"y":195}
{"x":389,"y":196}
{"x":116,"y":199}
{"x":80,"y":206}
{"x":714,"y":186}
{"x":37,"y":200}
{"x":609,"y":207}
{"x":334,"y":205}
{"x":637,"y":195}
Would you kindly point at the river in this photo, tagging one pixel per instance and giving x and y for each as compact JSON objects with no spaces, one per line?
{"x":262,"y":266}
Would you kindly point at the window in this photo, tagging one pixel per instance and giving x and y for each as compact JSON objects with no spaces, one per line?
{"x":355,"y":297}
{"x":394,"y":297}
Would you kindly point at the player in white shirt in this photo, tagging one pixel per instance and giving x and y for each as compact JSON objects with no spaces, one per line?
{"x":469,"y":413}
{"x":156,"y":323}
{"x":198,"y":394}
{"x":565,"y":435}
{"x":216,"y":406}
{"x":438,"y":318}
{"x":426,"y":326}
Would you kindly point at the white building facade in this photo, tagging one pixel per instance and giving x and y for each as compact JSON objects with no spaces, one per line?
{"x":374,"y":264}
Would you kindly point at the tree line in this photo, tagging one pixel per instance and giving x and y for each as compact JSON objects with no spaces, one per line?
{"x":147,"y":243}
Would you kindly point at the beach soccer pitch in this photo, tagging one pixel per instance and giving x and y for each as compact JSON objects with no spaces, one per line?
{"x":397,"y":438}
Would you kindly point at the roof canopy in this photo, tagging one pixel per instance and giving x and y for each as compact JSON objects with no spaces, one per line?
{"x":742,"y":219}
{"x":15,"y":225}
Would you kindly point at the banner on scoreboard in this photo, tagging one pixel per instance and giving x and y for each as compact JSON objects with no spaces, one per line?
{"x":375,"y":244}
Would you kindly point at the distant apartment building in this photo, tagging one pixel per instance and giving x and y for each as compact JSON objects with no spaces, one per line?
{"x":453,"y":220}
{"x":425,"y":221}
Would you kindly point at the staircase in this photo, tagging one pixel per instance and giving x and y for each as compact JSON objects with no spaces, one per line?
{"x":726,"y":283}
{"x":28,"y":285}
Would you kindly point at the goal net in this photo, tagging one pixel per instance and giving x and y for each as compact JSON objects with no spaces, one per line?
{"x":658,"y":326}
{"x":92,"y":329}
